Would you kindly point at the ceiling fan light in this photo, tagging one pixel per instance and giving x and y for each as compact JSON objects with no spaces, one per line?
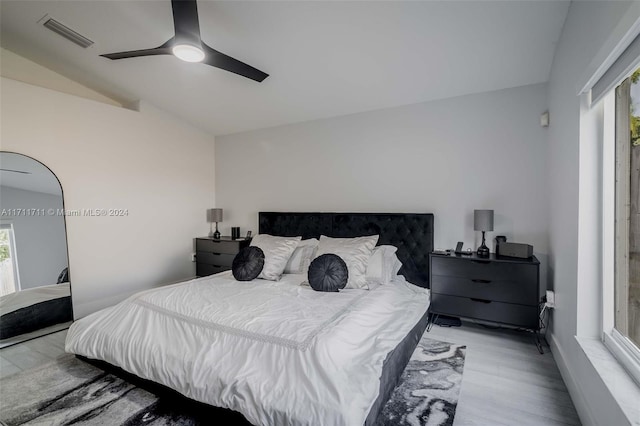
{"x":188,"y":53}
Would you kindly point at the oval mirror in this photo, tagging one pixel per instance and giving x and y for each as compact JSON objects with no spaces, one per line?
{"x":35,"y":291}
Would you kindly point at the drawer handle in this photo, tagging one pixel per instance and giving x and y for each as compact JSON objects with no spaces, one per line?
{"x":480,"y":300}
{"x":216,"y":266}
{"x":481,"y":281}
{"x":482,"y":262}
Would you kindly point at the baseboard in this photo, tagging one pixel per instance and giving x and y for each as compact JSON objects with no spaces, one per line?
{"x":573,"y":386}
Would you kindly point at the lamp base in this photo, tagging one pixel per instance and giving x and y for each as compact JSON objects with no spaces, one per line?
{"x":216,"y":235}
{"x":483,"y":251}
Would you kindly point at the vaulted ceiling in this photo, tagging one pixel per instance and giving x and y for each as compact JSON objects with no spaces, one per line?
{"x":325,"y":58}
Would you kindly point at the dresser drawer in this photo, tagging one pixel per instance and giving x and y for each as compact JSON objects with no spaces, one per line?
{"x":215,"y":259}
{"x":489,"y":289}
{"x":485,"y":270}
{"x":204,"y":269}
{"x":215,"y":246}
{"x":507,"y":313}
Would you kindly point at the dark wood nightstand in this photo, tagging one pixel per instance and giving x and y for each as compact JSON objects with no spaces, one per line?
{"x":213,"y":256}
{"x":498,"y":289}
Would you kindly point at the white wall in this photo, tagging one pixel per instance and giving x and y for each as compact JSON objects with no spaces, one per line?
{"x":447,"y":157}
{"x":156,"y":167}
{"x":40,"y":239}
{"x":574,"y":214}
{"x":16,"y":67}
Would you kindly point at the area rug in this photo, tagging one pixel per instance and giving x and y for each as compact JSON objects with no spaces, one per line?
{"x":427,"y":394}
{"x":70,"y":391}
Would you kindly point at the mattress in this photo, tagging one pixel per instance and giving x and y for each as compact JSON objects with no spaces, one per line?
{"x":277,"y":352}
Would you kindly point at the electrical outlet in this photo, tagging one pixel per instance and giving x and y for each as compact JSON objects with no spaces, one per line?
{"x":193,"y":257}
{"x":551,"y":299}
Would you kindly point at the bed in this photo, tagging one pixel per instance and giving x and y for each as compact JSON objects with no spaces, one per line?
{"x":33,"y":309}
{"x":276,"y":351}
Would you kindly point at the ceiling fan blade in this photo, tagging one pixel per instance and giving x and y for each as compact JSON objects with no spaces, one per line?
{"x":15,"y":171}
{"x":227,"y":63}
{"x":165,"y":49}
{"x":185,"y":21}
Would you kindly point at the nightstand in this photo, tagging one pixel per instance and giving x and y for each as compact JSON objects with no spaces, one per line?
{"x":498,"y":289}
{"x":213,"y":256}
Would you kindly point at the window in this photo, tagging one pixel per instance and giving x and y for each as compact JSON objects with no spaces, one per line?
{"x":624,"y":337}
{"x":9,"y":282}
{"x":627,"y":248}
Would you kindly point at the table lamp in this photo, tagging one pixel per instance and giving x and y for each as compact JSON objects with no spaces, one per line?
{"x":483,"y":221}
{"x":214,"y":215}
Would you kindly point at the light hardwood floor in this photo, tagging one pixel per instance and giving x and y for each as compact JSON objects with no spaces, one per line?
{"x":505,"y":381}
{"x":31,"y":353}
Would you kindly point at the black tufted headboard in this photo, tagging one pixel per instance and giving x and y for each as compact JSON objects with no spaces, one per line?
{"x":412,"y":233}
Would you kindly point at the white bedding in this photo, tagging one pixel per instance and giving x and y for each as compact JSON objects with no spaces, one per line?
{"x":22,"y":299}
{"x":277,"y":352}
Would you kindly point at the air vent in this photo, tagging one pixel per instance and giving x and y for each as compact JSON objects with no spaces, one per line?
{"x":67,"y":33}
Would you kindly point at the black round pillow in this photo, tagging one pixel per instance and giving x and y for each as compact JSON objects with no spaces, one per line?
{"x":248,"y":263}
{"x":328,"y":272}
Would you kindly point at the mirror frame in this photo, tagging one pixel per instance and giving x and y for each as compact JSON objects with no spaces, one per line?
{"x":35,"y":334}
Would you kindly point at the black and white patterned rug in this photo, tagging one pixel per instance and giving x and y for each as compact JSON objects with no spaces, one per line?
{"x":69,"y":391}
{"x":427,"y":394}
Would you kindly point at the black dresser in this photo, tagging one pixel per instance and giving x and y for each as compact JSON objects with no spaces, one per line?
{"x":213,"y":256}
{"x":497,"y":289}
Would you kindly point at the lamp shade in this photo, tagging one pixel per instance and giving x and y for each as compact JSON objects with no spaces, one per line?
{"x":483,"y":220}
{"x":214,"y":215}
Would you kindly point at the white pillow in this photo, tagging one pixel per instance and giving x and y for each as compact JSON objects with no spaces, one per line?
{"x":301,"y":258}
{"x":381,"y":264}
{"x":354,"y":251}
{"x":397,"y":265}
{"x":277,"y":251}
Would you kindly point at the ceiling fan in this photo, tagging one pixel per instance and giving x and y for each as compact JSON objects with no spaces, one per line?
{"x":188,"y":46}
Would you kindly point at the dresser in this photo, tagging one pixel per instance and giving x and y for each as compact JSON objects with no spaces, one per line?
{"x":497,"y":289}
{"x":213,"y":256}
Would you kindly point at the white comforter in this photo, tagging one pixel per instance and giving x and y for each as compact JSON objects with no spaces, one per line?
{"x":278,"y":352}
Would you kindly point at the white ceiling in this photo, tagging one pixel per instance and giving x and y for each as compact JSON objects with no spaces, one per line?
{"x":37,"y":178}
{"x":325,"y":58}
